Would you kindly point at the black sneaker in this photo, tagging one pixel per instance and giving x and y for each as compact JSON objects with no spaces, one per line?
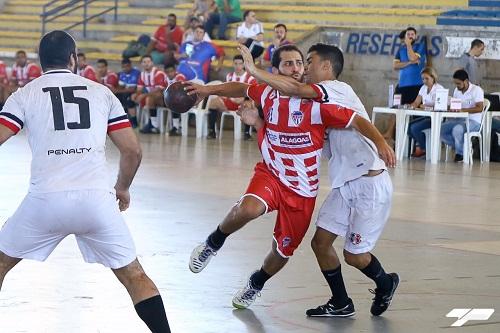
{"x":247,"y":137}
{"x":174,"y":132}
{"x":459,"y":158}
{"x":383,"y":299}
{"x":211,"y":134}
{"x":329,"y":310}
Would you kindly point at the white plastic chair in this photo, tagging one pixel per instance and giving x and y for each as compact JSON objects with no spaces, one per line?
{"x":200,"y":112}
{"x":237,"y":124}
{"x":468,"y":136}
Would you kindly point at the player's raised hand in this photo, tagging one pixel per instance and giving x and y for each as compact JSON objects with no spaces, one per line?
{"x":249,"y":114}
{"x":247,"y":58}
{"x":123,"y":198}
{"x":194,"y":88}
{"x":386,"y":153}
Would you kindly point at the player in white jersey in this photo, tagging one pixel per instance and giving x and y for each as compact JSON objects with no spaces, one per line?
{"x":67,"y":118}
{"x":359,"y":204}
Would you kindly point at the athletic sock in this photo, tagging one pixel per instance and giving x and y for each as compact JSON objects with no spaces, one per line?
{"x":154,"y":118}
{"x":259,"y":278}
{"x":152,"y":312}
{"x":375,"y":272}
{"x":176,"y":123}
{"x":337,"y":286}
{"x":216,"y":239}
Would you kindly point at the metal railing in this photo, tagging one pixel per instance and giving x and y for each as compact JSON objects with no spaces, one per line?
{"x":49,"y":15}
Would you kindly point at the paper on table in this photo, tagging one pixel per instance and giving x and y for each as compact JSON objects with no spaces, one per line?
{"x":441,"y":103}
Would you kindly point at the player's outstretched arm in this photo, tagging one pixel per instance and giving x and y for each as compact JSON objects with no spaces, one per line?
{"x":284,"y":84}
{"x":130,"y":159}
{"x":228,"y":89}
{"x":366,"y":128}
{"x":5,"y":134}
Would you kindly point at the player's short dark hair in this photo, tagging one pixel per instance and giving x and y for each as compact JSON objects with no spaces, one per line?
{"x":170,"y":64}
{"x":172,"y":15}
{"x":21,"y":52}
{"x":246,"y":13}
{"x":81,"y":55}
{"x":476,"y":43}
{"x":55,"y":49}
{"x":146,"y":56}
{"x":402,"y":34}
{"x":411,"y":29}
{"x":238,"y":57}
{"x":126,"y":61}
{"x":200,"y":26}
{"x":276,"y":59}
{"x":461,"y":75}
{"x":330,"y":53}
{"x":103,"y":61}
{"x":280,"y":25}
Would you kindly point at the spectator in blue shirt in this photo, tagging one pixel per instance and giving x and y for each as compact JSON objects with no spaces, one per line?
{"x":127,"y":84}
{"x":196,"y":56}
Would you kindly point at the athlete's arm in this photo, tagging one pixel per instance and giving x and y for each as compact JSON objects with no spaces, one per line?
{"x":130,"y":159}
{"x":286,"y":85}
{"x":366,"y":128}
{"x":228,"y":89}
{"x":5,"y":134}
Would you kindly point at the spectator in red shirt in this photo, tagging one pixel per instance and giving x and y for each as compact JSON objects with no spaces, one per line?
{"x":166,"y":41}
{"x":23,"y":72}
{"x":279,"y":39}
{"x":106,"y":77}
{"x":85,"y":69}
{"x":4,"y":83}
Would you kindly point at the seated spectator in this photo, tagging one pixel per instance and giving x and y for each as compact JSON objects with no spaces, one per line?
{"x":171,"y":77}
{"x":23,"y":72}
{"x":85,"y":69}
{"x":201,"y":10}
{"x":472,"y":96}
{"x":250,"y":29}
{"x":189,"y":33}
{"x":195,"y":57}
{"x":279,"y":39}
{"x":105,"y":76}
{"x":468,"y":61}
{"x":151,"y":81}
{"x":166,"y":41}
{"x":228,"y":11}
{"x":221,"y":104}
{"x":127,"y":85}
{"x":4,"y":84}
{"x":425,"y":99}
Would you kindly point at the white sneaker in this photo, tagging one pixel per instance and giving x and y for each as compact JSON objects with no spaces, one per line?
{"x":200,"y":257}
{"x":246,"y":296}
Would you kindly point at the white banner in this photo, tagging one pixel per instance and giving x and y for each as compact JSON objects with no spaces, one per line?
{"x":459,"y":45}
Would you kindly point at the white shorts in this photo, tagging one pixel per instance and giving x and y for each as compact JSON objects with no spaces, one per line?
{"x":358,"y":211}
{"x":43,"y":220}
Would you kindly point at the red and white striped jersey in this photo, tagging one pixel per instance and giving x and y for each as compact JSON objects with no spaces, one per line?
{"x":3,"y":73}
{"x":110,"y":80}
{"x":292,"y":139}
{"x":150,"y":80}
{"x":88,"y":72}
{"x":23,"y":75}
{"x":178,"y":78}
{"x":244,"y":78}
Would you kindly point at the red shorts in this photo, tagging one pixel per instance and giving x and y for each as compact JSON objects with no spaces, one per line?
{"x":294,"y":211}
{"x":230,"y":105}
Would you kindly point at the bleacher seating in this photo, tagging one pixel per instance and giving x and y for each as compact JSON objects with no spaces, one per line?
{"x":484,"y":13}
{"x":20,"y":21}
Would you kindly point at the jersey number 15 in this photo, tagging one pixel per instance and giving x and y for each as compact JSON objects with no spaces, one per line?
{"x":69,"y":97}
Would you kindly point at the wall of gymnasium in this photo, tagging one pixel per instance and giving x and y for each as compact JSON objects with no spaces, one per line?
{"x":369,"y":55}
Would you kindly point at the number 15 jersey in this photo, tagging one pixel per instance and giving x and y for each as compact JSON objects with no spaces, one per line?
{"x":67,"y":118}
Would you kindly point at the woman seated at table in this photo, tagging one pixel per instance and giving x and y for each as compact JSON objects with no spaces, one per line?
{"x":425,"y":99}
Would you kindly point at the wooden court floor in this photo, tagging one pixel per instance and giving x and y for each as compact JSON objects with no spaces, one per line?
{"x":443,"y":238}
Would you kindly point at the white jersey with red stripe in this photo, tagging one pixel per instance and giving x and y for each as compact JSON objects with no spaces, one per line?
{"x":151,"y":80}
{"x":293,"y":135}
{"x":244,"y":78}
{"x":350,"y":154}
{"x":25,"y":74}
{"x":178,"y":78}
{"x":67,"y":118}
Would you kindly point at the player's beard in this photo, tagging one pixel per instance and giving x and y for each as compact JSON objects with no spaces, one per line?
{"x":299,"y":79}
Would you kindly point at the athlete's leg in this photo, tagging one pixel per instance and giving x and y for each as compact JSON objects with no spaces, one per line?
{"x":6,"y":264}
{"x":145,"y":296}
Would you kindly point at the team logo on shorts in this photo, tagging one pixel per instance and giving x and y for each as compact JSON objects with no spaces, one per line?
{"x":355,"y":238}
{"x":286,"y":241}
{"x":297,"y":117}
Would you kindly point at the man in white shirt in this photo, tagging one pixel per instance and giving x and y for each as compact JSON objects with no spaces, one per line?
{"x":67,"y":118}
{"x":359,"y":204}
{"x":472,"y":97}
